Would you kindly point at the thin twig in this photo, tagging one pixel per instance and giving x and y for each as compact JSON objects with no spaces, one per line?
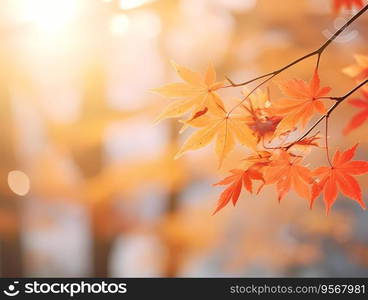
{"x":318,"y":52}
{"x":250,"y":93}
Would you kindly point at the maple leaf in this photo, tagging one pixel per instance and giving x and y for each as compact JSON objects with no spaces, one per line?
{"x":260,"y":117}
{"x":261,"y":157}
{"x":339,"y":175}
{"x":305,"y":145}
{"x":348,"y":4}
{"x":359,"y":71}
{"x":220,"y":125}
{"x":302,"y":101}
{"x":360,"y":117}
{"x":258,"y":162}
{"x":195,"y":93}
{"x":309,"y":141}
{"x":237,"y":180}
{"x":285,"y":170}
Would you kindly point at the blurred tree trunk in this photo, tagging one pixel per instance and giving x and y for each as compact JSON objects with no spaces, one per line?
{"x":91,"y":160}
{"x":11,"y":259}
{"x":91,"y":164}
{"x":174,"y":250}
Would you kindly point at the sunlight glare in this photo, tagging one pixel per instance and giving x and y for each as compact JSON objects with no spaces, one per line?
{"x":48,"y":15}
{"x":119,"y":24}
{"x":130,"y":4}
{"x":18,"y":182}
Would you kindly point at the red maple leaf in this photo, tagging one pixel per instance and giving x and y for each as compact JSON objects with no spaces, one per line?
{"x":261,"y":118}
{"x":287,"y":173}
{"x":360,"y":117}
{"x":309,"y":141}
{"x":348,"y":4}
{"x":339,"y":176}
{"x":237,"y":180}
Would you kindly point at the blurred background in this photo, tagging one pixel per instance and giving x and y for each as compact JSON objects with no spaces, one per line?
{"x":88,"y":186}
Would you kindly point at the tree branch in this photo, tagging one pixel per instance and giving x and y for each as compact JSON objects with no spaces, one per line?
{"x":318,"y":52}
{"x":338,"y":100}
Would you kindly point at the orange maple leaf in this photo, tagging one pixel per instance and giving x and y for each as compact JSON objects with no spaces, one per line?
{"x":359,"y":71}
{"x":195,"y":93}
{"x":285,"y":170}
{"x":360,"y":117}
{"x":348,"y":4}
{"x":302,"y":101}
{"x":237,"y":180}
{"x":339,"y":175}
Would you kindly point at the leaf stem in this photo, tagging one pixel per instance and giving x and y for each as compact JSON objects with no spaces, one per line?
{"x":326,"y":141}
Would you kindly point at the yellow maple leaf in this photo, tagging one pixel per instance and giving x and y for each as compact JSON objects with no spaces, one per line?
{"x":195,"y":93}
{"x":219,"y":125}
{"x":358,"y":71}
